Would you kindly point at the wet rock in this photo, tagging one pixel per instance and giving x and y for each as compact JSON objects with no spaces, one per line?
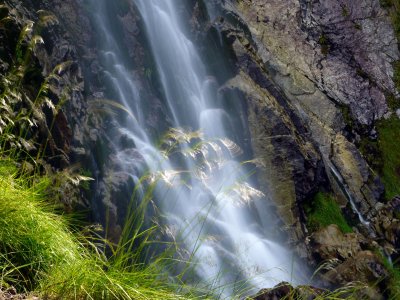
{"x":345,"y":260}
{"x":281,"y":291}
{"x":330,"y":243}
{"x":285,"y":291}
{"x":364,"y":267}
{"x":311,"y":82}
{"x":386,"y":223}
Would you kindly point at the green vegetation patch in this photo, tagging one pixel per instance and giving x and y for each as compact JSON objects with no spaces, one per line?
{"x":388,"y":143}
{"x":324,"y":43}
{"x":324,"y":211}
{"x":40,"y":254}
{"x":396,"y":73}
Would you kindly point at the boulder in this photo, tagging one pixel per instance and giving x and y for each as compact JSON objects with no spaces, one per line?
{"x":285,"y":291}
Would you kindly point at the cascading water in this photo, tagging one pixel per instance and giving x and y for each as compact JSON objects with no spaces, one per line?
{"x":206,"y":202}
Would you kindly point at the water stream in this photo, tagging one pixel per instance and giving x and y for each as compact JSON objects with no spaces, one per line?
{"x":206,"y":196}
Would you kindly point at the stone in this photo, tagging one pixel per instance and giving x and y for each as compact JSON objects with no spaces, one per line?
{"x":285,"y":291}
{"x":363,"y":267}
{"x":330,"y":243}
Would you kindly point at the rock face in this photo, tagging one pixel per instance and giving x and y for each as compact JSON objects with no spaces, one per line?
{"x":299,"y":63}
{"x":314,"y":75}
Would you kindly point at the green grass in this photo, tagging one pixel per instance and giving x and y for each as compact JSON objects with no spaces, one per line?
{"x":389,"y":137}
{"x":324,"y":211}
{"x":39,"y":253}
{"x":393,"y":288}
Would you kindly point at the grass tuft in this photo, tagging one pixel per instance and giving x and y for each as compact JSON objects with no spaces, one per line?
{"x":40,"y":253}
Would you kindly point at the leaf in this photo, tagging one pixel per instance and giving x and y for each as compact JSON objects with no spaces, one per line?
{"x":37,"y":39}
{"x":50,"y":105}
{"x":27,"y":144}
{"x":115,"y":105}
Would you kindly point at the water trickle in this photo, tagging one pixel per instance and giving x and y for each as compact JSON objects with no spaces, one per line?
{"x":209,"y":203}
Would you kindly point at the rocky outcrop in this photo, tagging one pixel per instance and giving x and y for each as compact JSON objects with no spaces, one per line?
{"x":285,"y":291}
{"x":348,"y":258}
{"x":386,"y":223}
{"x":304,"y":62}
{"x":314,"y":76}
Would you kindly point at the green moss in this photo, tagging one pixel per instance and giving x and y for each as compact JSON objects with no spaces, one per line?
{"x":357,"y":26}
{"x":324,"y":211}
{"x":324,"y":42}
{"x":347,"y":116}
{"x":383,"y":155}
{"x":345,"y":11}
{"x":392,"y":102}
{"x":396,"y":74}
{"x":371,"y":152}
{"x":388,"y":142}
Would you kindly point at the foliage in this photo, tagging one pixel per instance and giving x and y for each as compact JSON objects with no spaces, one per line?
{"x":396,"y":75}
{"x":389,"y":135}
{"x":394,"y":284}
{"x":324,"y":211}
{"x":40,"y":253}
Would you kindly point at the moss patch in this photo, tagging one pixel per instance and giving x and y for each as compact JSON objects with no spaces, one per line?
{"x":324,"y":211}
{"x":324,"y":43}
{"x":388,"y":142}
{"x":396,"y":74}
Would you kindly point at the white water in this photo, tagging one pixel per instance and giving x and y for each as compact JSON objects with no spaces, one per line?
{"x":211,"y":212}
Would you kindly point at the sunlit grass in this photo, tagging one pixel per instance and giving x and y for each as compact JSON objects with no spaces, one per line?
{"x":39,"y":252}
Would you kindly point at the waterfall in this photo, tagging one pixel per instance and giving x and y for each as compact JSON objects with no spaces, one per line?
{"x":206,"y":205}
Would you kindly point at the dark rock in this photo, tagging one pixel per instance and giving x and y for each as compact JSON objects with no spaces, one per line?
{"x":330,"y":243}
{"x":364,"y":267}
{"x":285,"y":291}
{"x":282,"y":291}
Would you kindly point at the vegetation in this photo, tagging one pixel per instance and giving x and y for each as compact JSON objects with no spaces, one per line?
{"x":39,"y":253}
{"x":393,"y":288}
{"x":382,"y":155}
{"x":324,"y":211}
{"x":324,"y":43}
{"x":39,"y":250}
{"x":389,"y":135}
